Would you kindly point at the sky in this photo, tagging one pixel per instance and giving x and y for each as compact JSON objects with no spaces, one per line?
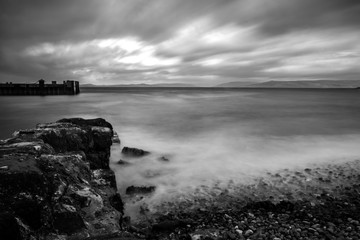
{"x":199,"y":42}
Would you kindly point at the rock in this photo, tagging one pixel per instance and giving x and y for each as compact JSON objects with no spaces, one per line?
{"x":261,"y":205}
{"x":164,"y":159}
{"x":115,"y":138}
{"x":9,"y":227}
{"x":47,"y":183}
{"x":134,"y":152}
{"x":29,"y":146}
{"x":123,"y":162}
{"x":102,"y":137}
{"x":92,"y":136}
{"x":140,"y":190}
{"x":98,"y":122}
{"x":117,"y":202}
{"x":248,"y":232}
{"x":97,"y":160}
{"x":205,"y":234}
{"x":104,"y":177}
{"x":167,"y":226}
{"x":68,"y":222}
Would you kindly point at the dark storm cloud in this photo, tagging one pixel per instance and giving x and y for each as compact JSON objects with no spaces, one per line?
{"x":204,"y":41}
{"x":308,"y":14}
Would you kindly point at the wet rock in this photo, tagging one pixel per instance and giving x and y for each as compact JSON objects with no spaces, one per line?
{"x":9,"y":227}
{"x":117,"y":202}
{"x":115,"y":138}
{"x":29,"y":146}
{"x":164,"y":159}
{"x":104,"y":177}
{"x":92,"y":136}
{"x":68,"y":222}
{"x":140,"y":190}
{"x":122,"y":162}
{"x":205,"y":234}
{"x":48,"y":183}
{"x":261,"y":205}
{"x":167,"y":226}
{"x":134,"y":152}
{"x":98,"y":122}
{"x":248,"y":233}
{"x":97,"y":160}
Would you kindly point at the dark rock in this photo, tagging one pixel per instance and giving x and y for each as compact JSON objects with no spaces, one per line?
{"x":167,"y":225}
{"x":28,"y":146}
{"x":68,"y":222}
{"x":9,"y":227}
{"x":261,"y":205}
{"x":134,"y":152}
{"x":123,"y":162}
{"x":104,"y":177}
{"x":47,"y":185}
{"x":98,"y":160}
{"x":115,"y":138}
{"x":29,"y":210}
{"x":140,"y":190}
{"x":23,"y":188}
{"x":102,"y":137}
{"x":117,"y":202}
{"x":164,"y":159}
{"x":98,"y":122}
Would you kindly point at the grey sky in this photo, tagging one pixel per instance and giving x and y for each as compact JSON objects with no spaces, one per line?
{"x":201,"y":42}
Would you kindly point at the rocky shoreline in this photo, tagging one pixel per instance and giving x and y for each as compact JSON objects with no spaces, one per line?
{"x":55,"y":183}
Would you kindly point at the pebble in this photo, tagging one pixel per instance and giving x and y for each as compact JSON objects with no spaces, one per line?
{"x":249,"y":232}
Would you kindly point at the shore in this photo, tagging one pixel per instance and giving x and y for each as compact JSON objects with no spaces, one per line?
{"x":316,"y":203}
{"x":56,"y":184}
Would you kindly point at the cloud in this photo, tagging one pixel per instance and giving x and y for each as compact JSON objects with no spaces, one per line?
{"x":201,"y":42}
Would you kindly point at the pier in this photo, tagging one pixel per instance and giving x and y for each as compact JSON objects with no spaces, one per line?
{"x":68,"y":87}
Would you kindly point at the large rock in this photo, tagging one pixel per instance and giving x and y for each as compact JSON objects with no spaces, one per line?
{"x":134,"y":152}
{"x":92,"y":136}
{"x":131,"y":190}
{"x":9,"y":227}
{"x":98,"y":122}
{"x":48,"y":181}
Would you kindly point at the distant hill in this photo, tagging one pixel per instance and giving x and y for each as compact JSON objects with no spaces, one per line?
{"x":298,"y":84}
{"x":142,"y":85}
{"x":235,"y":84}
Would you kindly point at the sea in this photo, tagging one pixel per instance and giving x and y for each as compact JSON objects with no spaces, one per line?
{"x":206,"y":135}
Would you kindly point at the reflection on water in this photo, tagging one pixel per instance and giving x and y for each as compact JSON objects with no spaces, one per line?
{"x":207,"y":135}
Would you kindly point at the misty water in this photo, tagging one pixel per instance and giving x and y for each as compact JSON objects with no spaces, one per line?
{"x":210,"y":136}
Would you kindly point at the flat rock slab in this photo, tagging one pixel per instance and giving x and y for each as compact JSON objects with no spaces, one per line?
{"x":140,"y":190}
{"x":134,"y":152}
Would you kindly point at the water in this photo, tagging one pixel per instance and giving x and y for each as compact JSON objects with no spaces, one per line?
{"x":209,"y":135}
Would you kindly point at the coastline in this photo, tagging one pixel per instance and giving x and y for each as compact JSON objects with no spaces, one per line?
{"x":56,"y":184}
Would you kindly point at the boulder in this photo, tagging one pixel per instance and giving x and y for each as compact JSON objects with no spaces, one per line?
{"x":115,"y":138}
{"x":92,"y":136}
{"x":98,"y":122}
{"x":164,"y":159}
{"x":23,"y":145}
{"x":9,"y":227}
{"x":48,"y":181}
{"x":140,"y":190}
{"x":123,"y":162}
{"x":134,"y":152}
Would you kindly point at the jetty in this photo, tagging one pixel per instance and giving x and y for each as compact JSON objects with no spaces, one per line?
{"x":68,"y":87}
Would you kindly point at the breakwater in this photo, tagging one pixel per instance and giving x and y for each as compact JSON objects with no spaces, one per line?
{"x":68,"y":87}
